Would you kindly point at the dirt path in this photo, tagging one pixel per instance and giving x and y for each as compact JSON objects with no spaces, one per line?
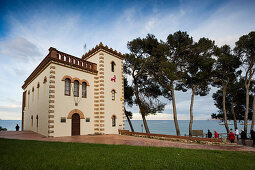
{"x":121,"y":140}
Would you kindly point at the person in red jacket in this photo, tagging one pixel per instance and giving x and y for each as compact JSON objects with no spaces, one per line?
{"x":231,"y":136}
{"x":216,"y":135}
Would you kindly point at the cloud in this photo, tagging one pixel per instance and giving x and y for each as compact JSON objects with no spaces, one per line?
{"x":19,"y":48}
{"x":227,"y":23}
{"x":10,"y":111}
{"x":10,"y":115}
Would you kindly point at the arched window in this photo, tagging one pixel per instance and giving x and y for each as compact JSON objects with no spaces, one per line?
{"x":84,"y":90}
{"x":45,"y":80}
{"x":32,"y":120}
{"x":113,"y":94}
{"x":33,"y":93}
{"x":37,"y":120}
{"x":44,"y":85}
{"x":38,"y":85}
{"x":76,"y":88}
{"x":67,"y":86}
{"x":113,"y":121}
{"x":112,"y":66}
{"x":28,"y":97}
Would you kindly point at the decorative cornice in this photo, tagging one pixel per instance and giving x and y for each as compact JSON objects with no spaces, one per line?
{"x":104,"y":48}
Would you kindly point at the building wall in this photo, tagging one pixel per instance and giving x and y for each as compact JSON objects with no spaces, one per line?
{"x":37,"y":105}
{"x":113,"y":107}
{"x":110,"y":107}
{"x":98,"y":106}
{"x":65,"y":104}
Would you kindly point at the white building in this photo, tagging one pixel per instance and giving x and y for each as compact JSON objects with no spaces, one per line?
{"x":66,"y":95}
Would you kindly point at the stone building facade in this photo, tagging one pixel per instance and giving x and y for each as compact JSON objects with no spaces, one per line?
{"x":67,"y":95}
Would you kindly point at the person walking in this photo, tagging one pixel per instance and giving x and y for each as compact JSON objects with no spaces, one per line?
{"x":17,"y":127}
{"x":243,"y":137}
{"x":209,"y":134}
{"x":253,"y":137}
{"x":216,"y":135}
{"x":231,"y":136}
{"x":237,"y":134}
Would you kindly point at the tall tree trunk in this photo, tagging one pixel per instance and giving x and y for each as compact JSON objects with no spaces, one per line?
{"x":140,"y":107}
{"x":224,"y":107}
{"x":191,"y":111}
{"x":145,"y":124}
{"x":129,"y":121}
{"x":253,"y":115}
{"x":174,"y":110}
{"x":234,"y":114}
{"x":247,"y":107}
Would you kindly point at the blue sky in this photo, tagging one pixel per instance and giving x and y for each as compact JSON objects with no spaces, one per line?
{"x":29,"y":28}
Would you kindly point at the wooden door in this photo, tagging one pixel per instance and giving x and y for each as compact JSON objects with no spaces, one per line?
{"x":75,"y":124}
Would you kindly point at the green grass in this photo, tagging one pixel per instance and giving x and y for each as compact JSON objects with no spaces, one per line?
{"x":18,"y":154}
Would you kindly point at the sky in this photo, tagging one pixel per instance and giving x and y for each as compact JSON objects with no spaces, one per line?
{"x":28,"y":28}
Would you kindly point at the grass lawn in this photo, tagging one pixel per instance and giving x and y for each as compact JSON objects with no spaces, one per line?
{"x":18,"y":154}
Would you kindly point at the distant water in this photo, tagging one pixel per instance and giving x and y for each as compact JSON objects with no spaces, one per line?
{"x":157,"y":126}
{"x":10,"y":124}
{"x":168,"y":127}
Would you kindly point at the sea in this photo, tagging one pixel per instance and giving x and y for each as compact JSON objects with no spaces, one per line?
{"x":159,"y":126}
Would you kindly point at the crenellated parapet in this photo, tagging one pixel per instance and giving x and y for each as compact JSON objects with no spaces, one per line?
{"x":103,"y":48}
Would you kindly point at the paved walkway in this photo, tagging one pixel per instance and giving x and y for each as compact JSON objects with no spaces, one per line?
{"x":121,"y":140}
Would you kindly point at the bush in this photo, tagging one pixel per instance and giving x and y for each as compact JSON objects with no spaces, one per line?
{"x":2,"y":129}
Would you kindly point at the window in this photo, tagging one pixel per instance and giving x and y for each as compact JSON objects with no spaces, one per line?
{"x":113,"y":94}
{"x":87,"y":119}
{"x":44,"y":85}
{"x":112,"y":66}
{"x":63,"y":120}
{"x":37,"y":120}
{"x":67,"y":86}
{"x":32,"y":120}
{"x":113,"y":121}
{"x":38,"y":85}
{"x":76,"y":88}
{"x":84,"y":90}
{"x":28,"y":96}
{"x":33,"y":93}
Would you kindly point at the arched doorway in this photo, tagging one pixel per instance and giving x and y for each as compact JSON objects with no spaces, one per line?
{"x":75,"y":124}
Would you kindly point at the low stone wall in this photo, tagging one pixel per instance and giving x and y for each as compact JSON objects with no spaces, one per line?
{"x":185,"y":139}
